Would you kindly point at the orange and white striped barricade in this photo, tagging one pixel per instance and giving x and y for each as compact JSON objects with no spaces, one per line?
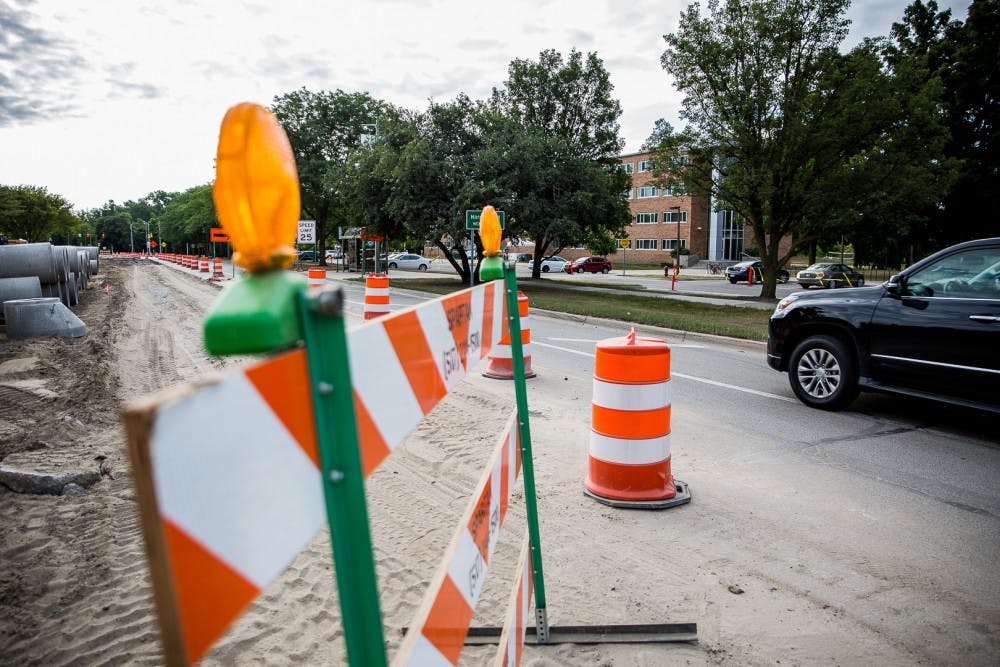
{"x":317,"y":278}
{"x":217,"y":273}
{"x":376,"y":295}
{"x":215,"y":541}
{"x":629,"y":462}
{"x":518,"y":611}
{"x":441,"y":624}
{"x":203,"y":264}
{"x":501,"y":365}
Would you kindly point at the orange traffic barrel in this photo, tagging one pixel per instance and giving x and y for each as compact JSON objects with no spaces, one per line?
{"x":317,"y":278}
{"x":376,"y":295}
{"x":630,"y":426}
{"x":203,"y":264}
{"x":217,"y":273}
{"x":501,"y":361}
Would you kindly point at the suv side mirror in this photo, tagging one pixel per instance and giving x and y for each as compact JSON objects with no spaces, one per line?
{"x":897,"y":284}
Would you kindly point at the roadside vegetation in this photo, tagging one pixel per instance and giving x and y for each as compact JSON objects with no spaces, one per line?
{"x":732,"y":321}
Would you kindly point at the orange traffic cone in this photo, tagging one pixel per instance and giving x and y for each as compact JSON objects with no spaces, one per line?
{"x":217,"y":273}
{"x":376,"y":295}
{"x":630,"y":426}
{"x":501,"y":364}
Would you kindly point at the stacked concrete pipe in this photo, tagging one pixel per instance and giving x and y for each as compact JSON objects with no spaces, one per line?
{"x":34,"y":274}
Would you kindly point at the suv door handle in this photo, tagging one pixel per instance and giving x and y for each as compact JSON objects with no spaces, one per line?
{"x":985,"y":318}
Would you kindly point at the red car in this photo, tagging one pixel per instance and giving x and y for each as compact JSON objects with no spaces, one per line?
{"x":589,"y":264}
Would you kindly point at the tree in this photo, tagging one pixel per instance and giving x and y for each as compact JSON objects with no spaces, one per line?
{"x":187,"y":218}
{"x":968,"y":66}
{"x":749,"y":72}
{"x":553,"y":138}
{"x":32,"y":213}
{"x":324,"y":129}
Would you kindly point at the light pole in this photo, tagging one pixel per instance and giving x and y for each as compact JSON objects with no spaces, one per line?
{"x":147,"y":236}
{"x":131,"y":238}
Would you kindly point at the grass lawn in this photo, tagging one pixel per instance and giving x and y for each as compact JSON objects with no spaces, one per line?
{"x":732,"y":321}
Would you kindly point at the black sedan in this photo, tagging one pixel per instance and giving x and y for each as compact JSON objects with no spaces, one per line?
{"x":739,"y":273}
{"x":827,"y":274}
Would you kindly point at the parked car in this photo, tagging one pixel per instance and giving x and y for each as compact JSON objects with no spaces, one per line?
{"x":589,"y":264}
{"x":309,"y":256}
{"x":826,"y":274}
{"x":334,"y":253}
{"x":554,"y":263}
{"x":408,"y":260}
{"x":738,"y":273}
{"x":932,"y":331}
{"x":524,"y":257}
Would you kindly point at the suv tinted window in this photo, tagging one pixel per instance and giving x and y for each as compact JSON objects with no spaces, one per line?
{"x":973,"y":274}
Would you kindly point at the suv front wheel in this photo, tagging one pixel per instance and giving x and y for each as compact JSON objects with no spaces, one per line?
{"x":823,"y":374}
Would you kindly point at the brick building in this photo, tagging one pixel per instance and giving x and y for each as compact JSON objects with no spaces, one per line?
{"x":661,"y":219}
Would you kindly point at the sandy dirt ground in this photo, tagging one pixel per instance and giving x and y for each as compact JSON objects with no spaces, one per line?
{"x":75,"y":589}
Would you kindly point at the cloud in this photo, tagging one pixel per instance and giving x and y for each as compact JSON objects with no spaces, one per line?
{"x":36,"y":68}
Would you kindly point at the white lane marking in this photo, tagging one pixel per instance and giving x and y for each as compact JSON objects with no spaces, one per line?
{"x":594,"y":340}
{"x":687,"y":377}
{"x":564,"y":349}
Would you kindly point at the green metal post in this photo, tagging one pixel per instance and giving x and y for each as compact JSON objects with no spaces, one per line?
{"x":527,"y":464}
{"x":343,"y":480}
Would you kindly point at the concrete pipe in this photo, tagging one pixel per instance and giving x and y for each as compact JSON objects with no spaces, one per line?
{"x":94,"y":254}
{"x":74,"y":257}
{"x":73,"y":295}
{"x":31,"y":318}
{"x":84,"y":271}
{"x":28,"y":259}
{"x":27,"y":287}
{"x":93,"y":267}
{"x":60,"y":257}
{"x":52,"y":289}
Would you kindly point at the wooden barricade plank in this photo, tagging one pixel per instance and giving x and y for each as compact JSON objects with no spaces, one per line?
{"x":511,"y":646}
{"x":214,"y":540}
{"x":438,"y":632}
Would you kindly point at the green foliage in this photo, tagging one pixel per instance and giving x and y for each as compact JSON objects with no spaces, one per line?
{"x":32,"y":213}
{"x":601,"y":242}
{"x":325,"y":129}
{"x":554,"y":140}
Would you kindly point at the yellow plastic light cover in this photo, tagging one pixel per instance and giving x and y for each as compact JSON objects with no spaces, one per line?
{"x":256,"y":188}
{"x":490,"y":232}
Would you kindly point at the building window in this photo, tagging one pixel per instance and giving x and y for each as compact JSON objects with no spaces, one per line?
{"x":645,"y":165}
{"x":675,"y":190}
{"x":675,"y":216}
{"x":646,"y":218}
{"x":732,"y":236}
{"x":627,"y":194}
{"x":670,"y":244}
{"x":645,"y":192}
{"x":645,"y":244}
{"x":626,"y":167}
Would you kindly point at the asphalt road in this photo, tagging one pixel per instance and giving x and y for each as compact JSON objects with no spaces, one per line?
{"x":875,"y":529}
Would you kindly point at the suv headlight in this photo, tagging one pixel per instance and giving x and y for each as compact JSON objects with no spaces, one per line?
{"x":785,"y":305}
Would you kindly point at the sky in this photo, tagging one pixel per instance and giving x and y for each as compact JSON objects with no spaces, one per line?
{"x":113,"y":99}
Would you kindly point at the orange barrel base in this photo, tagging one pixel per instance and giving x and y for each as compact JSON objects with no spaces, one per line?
{"x":217,"y":269}
{"x":501,"y":361}
{"x":376,"y":295}
{"x":630,"y":426}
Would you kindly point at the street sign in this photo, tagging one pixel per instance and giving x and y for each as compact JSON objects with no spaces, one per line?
{"x":307,"y":232}
{"x":624,"y":243}
{"x":218,"y":235}
{"x":472,"y":219}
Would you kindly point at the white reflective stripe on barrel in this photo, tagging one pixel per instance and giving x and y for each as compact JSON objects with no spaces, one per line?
{"x":633,"y":397}
{"x":376,"y":291}
{"x":629,"y":452}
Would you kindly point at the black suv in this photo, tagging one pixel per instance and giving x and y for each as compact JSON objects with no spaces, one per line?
{"x":739,"y":273}
{"x":933,"y":331}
